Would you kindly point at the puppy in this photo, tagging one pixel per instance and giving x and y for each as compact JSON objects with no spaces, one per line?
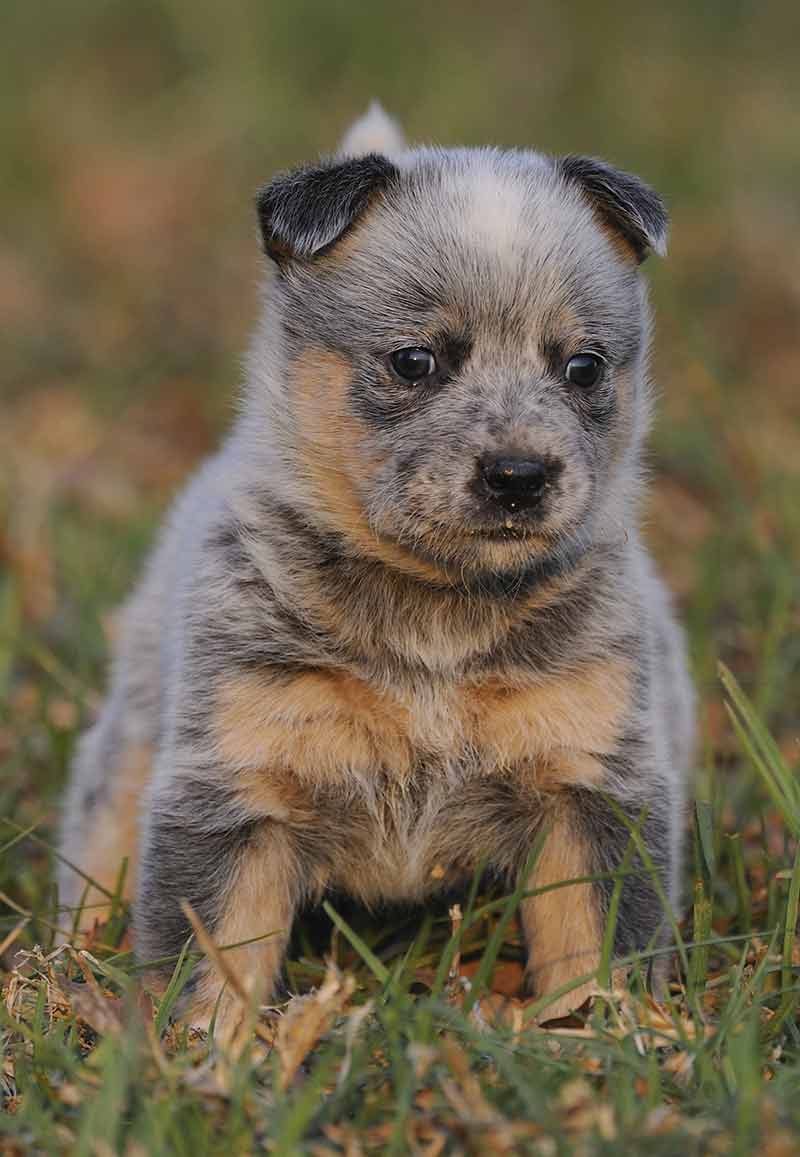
{"x":402,"y":624}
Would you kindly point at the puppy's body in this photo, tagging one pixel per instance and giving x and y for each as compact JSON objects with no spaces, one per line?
{"x":392,"y":629}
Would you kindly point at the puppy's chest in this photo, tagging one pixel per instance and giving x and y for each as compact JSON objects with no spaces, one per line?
{"x":400,"y":792}
{"x":333,"y":729}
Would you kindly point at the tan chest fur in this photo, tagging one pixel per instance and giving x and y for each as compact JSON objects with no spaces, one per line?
{"x":404,"y":784}
{"x":329,"y":728}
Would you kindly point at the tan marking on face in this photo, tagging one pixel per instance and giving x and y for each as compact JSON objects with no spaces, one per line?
{"x":320,"y":725}
{"x":560,"y":322}
{"x":110,"y":836}
{"x":563,"y":928}
{"x":623,"y":248}
{"x":580,"y":712}
{"x":346,"y":245}
{"x":336,"y":449}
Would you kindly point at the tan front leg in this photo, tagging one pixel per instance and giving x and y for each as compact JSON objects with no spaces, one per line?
{"x":258,"y":905}
{"x":563,"y":927}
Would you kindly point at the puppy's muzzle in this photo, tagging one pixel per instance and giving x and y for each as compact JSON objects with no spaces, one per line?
{"x":515,"y":483}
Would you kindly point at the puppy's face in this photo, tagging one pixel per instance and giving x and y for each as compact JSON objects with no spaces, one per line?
{"x":465,"y":356}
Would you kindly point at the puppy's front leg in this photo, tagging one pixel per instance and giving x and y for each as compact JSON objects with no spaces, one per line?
{"x":239,"y":873}
{"x":564,"y":927}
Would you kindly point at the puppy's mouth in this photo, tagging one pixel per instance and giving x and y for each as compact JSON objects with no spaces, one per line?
{"x":506,"y":530}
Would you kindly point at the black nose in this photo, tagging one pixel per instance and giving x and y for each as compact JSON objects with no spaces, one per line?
{"x":515,"y":483}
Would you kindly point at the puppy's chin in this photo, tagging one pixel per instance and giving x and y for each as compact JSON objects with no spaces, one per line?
{"x":504,"y":547}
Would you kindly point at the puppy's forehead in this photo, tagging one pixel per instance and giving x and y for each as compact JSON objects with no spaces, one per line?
{"x":497,"y":202}
{"x":490,"y":232}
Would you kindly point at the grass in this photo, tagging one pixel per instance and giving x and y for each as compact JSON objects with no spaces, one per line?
{"x":133,"y":137}
{"x":405,"y":1038}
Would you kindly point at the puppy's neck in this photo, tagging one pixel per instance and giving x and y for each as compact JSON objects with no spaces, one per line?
{"x":385,"y":618}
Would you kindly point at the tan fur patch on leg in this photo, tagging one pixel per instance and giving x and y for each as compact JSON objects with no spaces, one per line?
{"x":109,"y":835}
{"x":563,"y":927}
{"x":261,"y":899}
{"x":570,"y":768}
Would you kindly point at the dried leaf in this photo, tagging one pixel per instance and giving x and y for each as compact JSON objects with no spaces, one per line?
{"x":102,"y":1012}
{"x":307,"y":1018}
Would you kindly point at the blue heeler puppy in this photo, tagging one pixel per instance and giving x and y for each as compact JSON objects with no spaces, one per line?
{"x":403,"y":621}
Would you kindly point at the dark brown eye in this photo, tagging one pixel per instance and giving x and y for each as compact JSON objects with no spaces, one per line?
{"x":413,"y":363}
{"x":584,"y":370}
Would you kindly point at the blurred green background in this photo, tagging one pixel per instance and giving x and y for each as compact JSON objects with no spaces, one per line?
{"x":134,"y":135}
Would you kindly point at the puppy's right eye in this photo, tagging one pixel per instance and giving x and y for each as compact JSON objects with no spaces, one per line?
{"x":584,"y":370}
{"x":413,"y":363}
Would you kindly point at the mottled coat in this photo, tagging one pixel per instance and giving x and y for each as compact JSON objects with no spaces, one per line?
{"x":358,"y":660}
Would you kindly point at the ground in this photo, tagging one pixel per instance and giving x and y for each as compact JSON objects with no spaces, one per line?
{"x":133,"y":139}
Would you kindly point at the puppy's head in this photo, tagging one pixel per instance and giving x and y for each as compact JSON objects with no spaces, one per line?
{"x":458,"y":343}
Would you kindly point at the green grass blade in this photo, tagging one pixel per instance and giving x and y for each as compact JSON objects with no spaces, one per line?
{"x":380,"y":971}
{"x":609,"y":934}
{"x":492,"y":950}
{"x":780,"y":781}
{"x":177,"y":982}
{"x":790,"y":926}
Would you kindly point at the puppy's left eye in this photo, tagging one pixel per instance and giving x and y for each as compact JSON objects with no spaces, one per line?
{"x":583,"y":370}
{"x":413,"y":363}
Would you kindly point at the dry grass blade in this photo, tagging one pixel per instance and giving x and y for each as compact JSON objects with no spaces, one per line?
{"x":11,"y":936}
{"x":466,"y":1097}
{"x":307,"y":1018}
{"x":248,"y":1022}
{"x":354,"y":1023}
{"x":581,"y":1112}
{"x":215,"y":955}
{"x":100,"y":1013}
{"x":456,"y":920}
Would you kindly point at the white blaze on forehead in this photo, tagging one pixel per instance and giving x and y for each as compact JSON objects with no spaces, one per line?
{"x":514,"y":213}
{"x":495,"y":211}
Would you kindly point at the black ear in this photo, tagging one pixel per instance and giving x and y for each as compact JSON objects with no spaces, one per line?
{"x":626,"y":204}
{"x":304,"y":211}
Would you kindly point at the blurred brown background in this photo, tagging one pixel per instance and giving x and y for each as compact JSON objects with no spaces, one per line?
{"x":134,"y":136}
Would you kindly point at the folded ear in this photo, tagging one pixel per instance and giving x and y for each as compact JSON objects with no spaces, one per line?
{"x":374,"y":132}
{"x":625,"y":203}
{"x":303,"y":212}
